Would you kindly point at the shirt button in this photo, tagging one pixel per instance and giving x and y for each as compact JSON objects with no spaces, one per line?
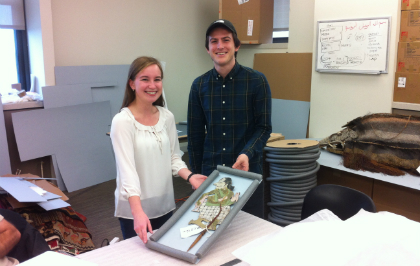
{"x":224,"y":149}
{"x":223,"y":164}
{"x":223,"y":86}
{"x":223,"y":118}
{"x":223,"y":102}
{"x":224,"y":134}
{"x":230,"y":77}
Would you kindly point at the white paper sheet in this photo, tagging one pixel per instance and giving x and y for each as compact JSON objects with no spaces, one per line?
{"x":365,"y":239}
{"x":51,"y":196}
{"x":46,"y":196}
{"x":53,"y":204}
{"x":322,"y":215}
{"x":51,"y":258}
{"x":20,"y":190}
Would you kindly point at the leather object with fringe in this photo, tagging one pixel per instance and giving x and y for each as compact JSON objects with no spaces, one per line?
{"x":381,"y":143}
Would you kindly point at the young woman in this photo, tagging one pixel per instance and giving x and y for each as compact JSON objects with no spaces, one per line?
{"x":145,"y":142}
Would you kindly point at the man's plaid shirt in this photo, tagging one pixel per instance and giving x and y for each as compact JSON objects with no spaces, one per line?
{"x":235,"y":112}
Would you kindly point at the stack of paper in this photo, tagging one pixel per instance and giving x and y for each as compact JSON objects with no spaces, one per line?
{"x":365,"y":239}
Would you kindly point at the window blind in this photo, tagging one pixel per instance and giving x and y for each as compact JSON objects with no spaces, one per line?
{"x":12,"y":15}
{"x":281,"y":15}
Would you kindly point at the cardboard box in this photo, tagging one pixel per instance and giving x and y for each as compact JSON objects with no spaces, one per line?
{"x":410,"y":26}
{"x":289,"y":74}
{"x":408,"y":57}
{"x":410,"y":4}
{"x":253,"y":19}
{"x":407,"y":87}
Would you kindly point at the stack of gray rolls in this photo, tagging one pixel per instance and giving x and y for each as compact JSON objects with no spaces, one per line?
{"x":293,"y":169}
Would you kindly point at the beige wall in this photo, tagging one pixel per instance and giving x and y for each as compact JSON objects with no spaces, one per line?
{"x":109,"y":32}
{"x":339,"y":98}
{"x":101,"y":32}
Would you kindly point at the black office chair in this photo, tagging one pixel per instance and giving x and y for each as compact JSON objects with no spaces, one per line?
{"x":342,"y":201}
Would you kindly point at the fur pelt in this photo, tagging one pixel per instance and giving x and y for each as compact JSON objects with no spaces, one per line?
{"x":383,"y":143}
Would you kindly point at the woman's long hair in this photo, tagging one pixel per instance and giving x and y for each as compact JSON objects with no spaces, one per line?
{"x":138,"y":65}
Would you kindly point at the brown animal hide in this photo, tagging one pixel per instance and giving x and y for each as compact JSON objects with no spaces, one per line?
{"x":385,"y":143}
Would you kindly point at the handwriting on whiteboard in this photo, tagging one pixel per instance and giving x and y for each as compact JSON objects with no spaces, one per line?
{"x":352,"y":44}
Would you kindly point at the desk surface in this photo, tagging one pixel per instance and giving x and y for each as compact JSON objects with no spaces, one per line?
{"x":335,"y":161}
{"x":243,"y":229}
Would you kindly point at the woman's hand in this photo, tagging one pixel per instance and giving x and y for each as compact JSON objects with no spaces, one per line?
{"x":141,"y":221}
{"x":141,"y":225}
{"x":196,"y":180}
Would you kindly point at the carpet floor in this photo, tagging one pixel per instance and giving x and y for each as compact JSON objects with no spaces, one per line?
{"x":97,"y":204}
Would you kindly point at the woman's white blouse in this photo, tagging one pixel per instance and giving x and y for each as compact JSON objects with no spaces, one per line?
{"x":146,"y":157}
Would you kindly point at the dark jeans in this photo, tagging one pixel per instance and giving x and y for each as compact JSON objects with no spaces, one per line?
{"x":127,"y":225}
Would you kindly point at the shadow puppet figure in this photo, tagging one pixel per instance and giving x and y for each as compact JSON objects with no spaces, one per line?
{"x":209,"y":204}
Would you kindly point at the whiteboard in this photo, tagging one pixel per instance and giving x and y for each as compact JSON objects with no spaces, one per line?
{"x":353,"y":45}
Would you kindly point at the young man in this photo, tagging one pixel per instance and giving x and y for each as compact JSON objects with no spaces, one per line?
{"x":229,"y":111}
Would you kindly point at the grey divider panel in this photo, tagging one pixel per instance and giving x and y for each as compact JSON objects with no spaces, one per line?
{"x":107,"y":81}
{"x":4,"y":148}
{"x":60,"y":182}
{"x":290,"y":118}
{"x":76,"y":135}
{"x":66,"y":95}
{"x":165,"y":229}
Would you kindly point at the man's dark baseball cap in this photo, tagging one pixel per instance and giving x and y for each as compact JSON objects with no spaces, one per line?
{"x":221,"y":22}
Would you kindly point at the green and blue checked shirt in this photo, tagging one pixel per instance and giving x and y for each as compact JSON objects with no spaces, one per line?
{"x":236,"y":114}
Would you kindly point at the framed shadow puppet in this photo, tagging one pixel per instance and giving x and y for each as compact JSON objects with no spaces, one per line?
{"x":195,"y":227}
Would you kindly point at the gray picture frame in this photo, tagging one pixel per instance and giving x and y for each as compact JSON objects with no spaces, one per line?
{"x":176,"y":247}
